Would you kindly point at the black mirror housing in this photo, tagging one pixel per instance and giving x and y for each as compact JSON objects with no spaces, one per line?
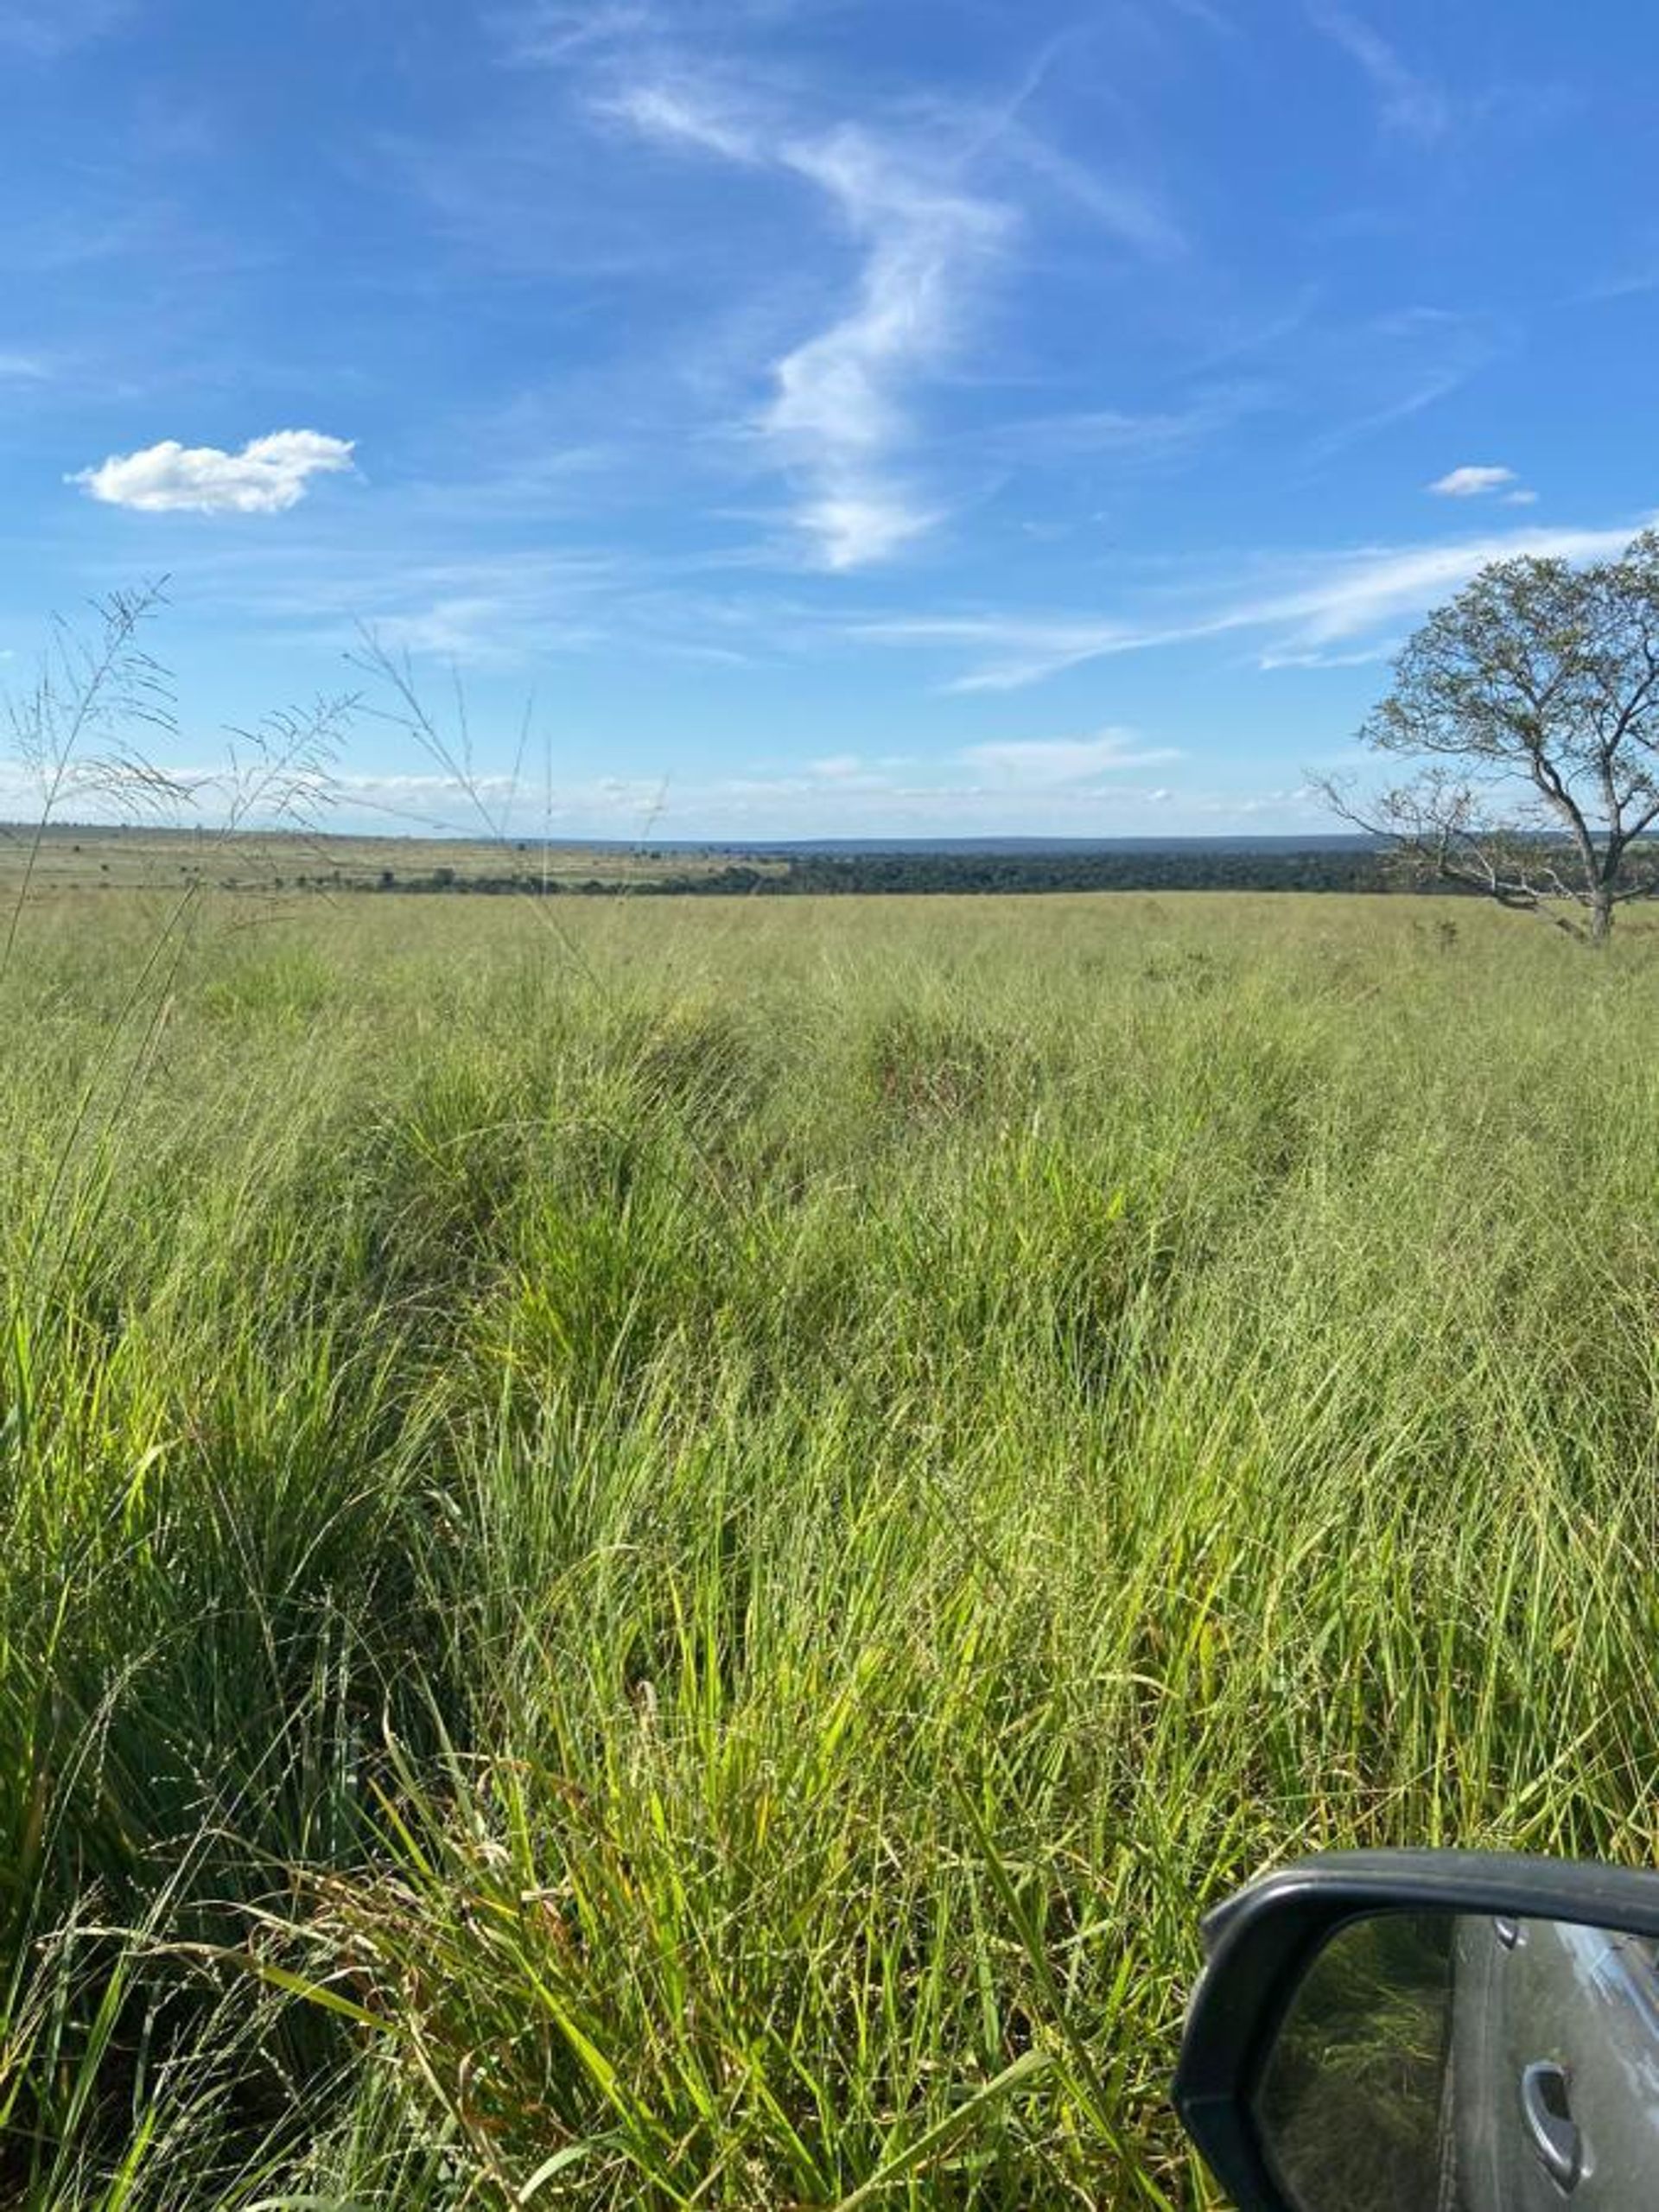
{"x":1260,"y":1945}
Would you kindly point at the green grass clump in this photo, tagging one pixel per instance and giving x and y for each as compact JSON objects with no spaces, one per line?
{"x":661,"y":1566}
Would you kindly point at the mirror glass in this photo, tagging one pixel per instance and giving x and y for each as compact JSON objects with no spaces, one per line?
{"x":1466,"y":2062}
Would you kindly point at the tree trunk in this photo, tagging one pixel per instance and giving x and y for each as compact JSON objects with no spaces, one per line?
{"x":1601,"y":914}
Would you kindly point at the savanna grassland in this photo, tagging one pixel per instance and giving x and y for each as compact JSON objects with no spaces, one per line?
{"x":655,"y":1552}
{"x":158,"y":857}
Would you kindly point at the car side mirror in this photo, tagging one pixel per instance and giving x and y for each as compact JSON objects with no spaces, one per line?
{"x":1429,"y":2031}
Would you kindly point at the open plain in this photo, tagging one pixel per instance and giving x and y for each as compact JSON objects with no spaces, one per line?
{"x":654,"y":1553}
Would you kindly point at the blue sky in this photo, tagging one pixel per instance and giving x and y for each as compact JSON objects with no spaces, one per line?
{"x":1005,"y":416}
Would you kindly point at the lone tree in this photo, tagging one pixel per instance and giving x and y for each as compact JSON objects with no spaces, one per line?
{"x":1530,"y":704}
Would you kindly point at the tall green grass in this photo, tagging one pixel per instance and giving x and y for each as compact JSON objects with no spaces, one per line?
{"x":664,"y":1569}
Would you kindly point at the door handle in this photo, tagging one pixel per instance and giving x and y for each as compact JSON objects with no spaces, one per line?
{"x":1556,"y":2142}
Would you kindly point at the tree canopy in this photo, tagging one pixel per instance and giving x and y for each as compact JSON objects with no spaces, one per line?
{"x":1529,"y":708}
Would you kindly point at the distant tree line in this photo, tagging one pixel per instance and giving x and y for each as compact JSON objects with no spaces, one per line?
{"x":1216,"y":868}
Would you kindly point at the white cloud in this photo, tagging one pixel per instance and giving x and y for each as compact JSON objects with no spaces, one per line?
{"x":837,"y":414}
{"x":1372,"y":588}
{"x":556,"y":31}
{"x":1130,"y":212}
{"x":1337,"y":598}
{"x":959,"y":799}
{"x":1362,"y":657}
{"x":945,"y":799}
{"x":837,"y":417}
{"x":1051,"y":763}
{"x":853,"y":529}
{"x":675,"y":113}
{"x":1629,"y":283}
{"x":1425,"y":391}
{"x":1406,"y":102}
{"x":1471,"y":480}
{"x":568,"y":32}
{"x":23,"y":368}
{"x":927,"y":196}
{"x":1083,"y":433}
{"x":267,"y":476}
{"x":480,"y":627}
{"x":1022,"y":649}
{"x":1397,"y":365}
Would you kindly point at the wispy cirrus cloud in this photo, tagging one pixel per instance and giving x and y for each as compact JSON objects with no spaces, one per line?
{"x":837,"y":418}
{"x":46,"y":30}
{"x":930,"y":195}
{"x":267,"y":476}
{"x":1362,"y":590}
{"x":1118,"y":435}
{"x":566,"y":33}
{"x":834,"y":380}
{"x":1407,"y":101}
{"x":1005,"y":652}
{"x":405,"y":571}
{"x":1400,"y":365}
{"x":678,"y":115}
{"x":1132,"y":212}
{"x":1337,"y":599}
{"x":1361,"y":656}
{"x":559,"y":31}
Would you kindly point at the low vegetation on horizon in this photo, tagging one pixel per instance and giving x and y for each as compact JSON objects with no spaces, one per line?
{"x":164,"y":860}
{"x":659,"y":1558}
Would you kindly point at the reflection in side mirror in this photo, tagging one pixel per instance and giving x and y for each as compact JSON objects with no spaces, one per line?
{"x":1440,"y":2062}
{"x":1429,"y":2031}
{"x":1350,"y":2109}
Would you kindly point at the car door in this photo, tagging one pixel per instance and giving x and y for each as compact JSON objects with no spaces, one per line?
{"x":1556,"y":2068}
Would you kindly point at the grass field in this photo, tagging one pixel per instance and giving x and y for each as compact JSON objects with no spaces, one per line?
{"x":658,"y":1559}
{"x":69,"y":857}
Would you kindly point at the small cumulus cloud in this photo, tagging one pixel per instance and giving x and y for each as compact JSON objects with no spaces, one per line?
{"x":268,"y":474}
{"x":1474,"y":481}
